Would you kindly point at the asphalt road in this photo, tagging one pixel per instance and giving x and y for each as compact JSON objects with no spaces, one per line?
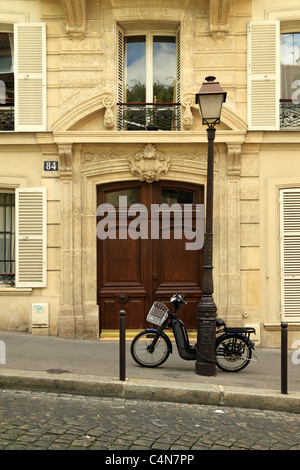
{"x":50,"y":421}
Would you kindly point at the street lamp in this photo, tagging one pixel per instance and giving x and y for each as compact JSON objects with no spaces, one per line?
{"x":210,"y":99}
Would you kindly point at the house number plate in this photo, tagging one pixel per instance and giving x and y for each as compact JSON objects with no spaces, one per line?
{"x":50,"y":166}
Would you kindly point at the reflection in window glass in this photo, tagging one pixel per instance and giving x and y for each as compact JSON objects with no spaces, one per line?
{"x":290,"y":65}
{"x":131,"y":194}
{"x":172,"y":196}
{"x":6,"y":69}
{"x":164,"y":52}
{"x":135,"y":69}
{"x":161,"y":83}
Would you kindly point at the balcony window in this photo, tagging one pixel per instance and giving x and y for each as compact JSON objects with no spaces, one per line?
{"x":6,"y":82}
{"x":7,"y":238}
{"x":290,"y":80}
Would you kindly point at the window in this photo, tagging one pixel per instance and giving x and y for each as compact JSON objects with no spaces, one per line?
{"x":176,"y":196}
{"x":290,"y":253}
{"x":290,"y":80}
{"x":132,"y":196}
{"x":148,"y":80}
{"x":273,"y":75}
{"x":23,"y":77}
{"x":6,"y":81}
{"x":159,"y":53}
{"x":7,"y":237}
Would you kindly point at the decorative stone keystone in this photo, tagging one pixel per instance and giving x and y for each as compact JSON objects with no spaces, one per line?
{"x":149,"y":164}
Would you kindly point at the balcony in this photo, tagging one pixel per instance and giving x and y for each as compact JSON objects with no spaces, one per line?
{"x":289,"y":113}
{"x":6,"y":278}
{"x":149,"y":116}
{"x":7,"y":115}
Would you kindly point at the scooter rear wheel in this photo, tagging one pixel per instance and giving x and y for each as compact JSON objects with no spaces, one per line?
{"x":233,"y":353}
{"x":141,"y":354}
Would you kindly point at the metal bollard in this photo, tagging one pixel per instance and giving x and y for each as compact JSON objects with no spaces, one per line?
{"x":284,"y":358}
{"x":122,"y":343}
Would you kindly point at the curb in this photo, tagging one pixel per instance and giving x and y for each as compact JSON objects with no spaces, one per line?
{"x":202,"y":394}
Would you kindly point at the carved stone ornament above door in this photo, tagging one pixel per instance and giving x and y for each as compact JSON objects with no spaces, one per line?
{"x":149,"y":164}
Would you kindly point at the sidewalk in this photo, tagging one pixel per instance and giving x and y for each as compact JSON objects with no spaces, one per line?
{"x":90,"y":367}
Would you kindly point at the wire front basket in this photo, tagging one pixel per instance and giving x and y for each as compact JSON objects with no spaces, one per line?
{"x":157,"y":313}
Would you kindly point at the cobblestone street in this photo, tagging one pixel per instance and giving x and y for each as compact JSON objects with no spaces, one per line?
{"x":59,"y":422}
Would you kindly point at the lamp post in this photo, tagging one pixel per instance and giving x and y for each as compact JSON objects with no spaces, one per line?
{"x":210,"y":99}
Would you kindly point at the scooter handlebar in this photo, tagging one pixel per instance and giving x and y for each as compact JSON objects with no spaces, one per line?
{"x":179,"y":298}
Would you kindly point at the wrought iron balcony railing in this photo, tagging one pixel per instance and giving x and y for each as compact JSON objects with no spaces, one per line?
{"x":7,"y":278}
{"x":7,"y":116}
{"x":289,"y":113}
{"x":149,"y":116}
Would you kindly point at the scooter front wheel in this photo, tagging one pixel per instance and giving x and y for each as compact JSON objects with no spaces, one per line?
{"x":140,"y":349}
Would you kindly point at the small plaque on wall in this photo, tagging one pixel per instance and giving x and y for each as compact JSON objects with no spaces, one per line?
{"x":50,"y":165}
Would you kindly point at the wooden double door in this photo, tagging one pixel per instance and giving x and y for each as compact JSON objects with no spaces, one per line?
{"x":135,"y":270}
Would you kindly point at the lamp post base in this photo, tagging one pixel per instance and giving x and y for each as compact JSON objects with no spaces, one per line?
{"x":206,"y":340}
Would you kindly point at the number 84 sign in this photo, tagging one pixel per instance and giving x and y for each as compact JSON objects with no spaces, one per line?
{"x":50,"y":165}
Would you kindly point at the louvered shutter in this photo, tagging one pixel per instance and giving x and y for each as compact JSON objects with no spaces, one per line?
{"x":31,"y":237}
{"x":290,"y":253}
{"x":30,"y":76}
{"x":178,"y":83}
{"x":120,"y":75}
{"x":263,"y":75}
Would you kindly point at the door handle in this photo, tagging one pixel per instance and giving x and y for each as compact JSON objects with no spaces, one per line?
{"x":154,"y":277}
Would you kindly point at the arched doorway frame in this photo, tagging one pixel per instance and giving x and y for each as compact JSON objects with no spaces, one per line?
{"x":96,"y":170}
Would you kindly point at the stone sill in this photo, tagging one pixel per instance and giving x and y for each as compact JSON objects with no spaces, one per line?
{"x":14,"y":291}
{"x":292,"y":326}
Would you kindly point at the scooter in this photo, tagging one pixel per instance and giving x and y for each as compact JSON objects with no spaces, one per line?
{"x":152,"y":347}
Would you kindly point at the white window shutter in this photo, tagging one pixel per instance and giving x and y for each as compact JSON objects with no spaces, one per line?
{"x":31,"y":237}
{"x":30,"y":76}
{"x":290,"y":253}
{"x":120,"y":74}
{"x":263,"y":75}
